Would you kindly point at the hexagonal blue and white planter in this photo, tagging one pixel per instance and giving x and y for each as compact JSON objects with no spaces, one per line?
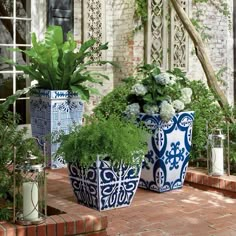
{"x":166,"y":162}
{"x":54,"y":110}
{"x":103,"y":187}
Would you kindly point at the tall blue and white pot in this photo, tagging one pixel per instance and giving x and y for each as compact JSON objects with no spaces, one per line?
{"x":103,"y":186}
{"x":169,"y":147}
{"x":54,"y":110}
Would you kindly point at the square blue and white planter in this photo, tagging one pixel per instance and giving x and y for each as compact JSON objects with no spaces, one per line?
{"x":54,"y":110}
{"x":103,"y":187}
{"x":166,"y":162}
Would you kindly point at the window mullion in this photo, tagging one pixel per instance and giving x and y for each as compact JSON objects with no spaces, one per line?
{"x":14,"y":53}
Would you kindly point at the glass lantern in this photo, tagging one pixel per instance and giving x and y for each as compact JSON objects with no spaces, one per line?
{"x":30,"y":206}
{"x":216,"y":153}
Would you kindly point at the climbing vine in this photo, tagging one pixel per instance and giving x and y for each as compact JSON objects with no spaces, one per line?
{"x":220,"y":5}
{"x":141,"y":13}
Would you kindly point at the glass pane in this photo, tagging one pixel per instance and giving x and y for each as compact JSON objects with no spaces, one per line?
{"x":20,"y":57}
{"x":23,"y":28}
{"x":6,"y":7}
{"x":21,"y":9}
{"x":20,"y":81}
{"x":5,"y":53}
{"x":6,"y":85}
{"x":6,"y":31}
{"x":21,"y":109}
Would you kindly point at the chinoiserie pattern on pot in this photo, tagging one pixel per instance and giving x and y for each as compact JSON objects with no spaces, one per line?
{"x":50,"y":111}
{"x":102,"y":186}
{"x":166,"y":162}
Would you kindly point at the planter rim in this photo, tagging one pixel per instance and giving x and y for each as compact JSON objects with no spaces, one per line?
{"x":157,"y":114}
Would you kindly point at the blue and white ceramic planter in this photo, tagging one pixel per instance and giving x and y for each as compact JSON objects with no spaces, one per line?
{"x":166,"y":162}
{"x":54,"y":110}
{"x":103,"y":187}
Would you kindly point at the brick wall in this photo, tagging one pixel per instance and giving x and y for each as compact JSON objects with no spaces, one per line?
{"x":59,"y":225}
{"x":219,"y":46}
{"x":127,"y":48}
{"x":108,"y":37}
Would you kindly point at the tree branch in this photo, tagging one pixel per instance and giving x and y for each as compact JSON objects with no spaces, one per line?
{"x":202,"y":56}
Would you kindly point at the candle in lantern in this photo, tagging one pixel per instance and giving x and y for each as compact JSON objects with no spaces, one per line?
{"x":217,"y":161}
{"x":30,"y":201}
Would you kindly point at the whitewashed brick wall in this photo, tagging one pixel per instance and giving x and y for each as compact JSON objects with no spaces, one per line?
{"x":219,"y":47}
{"x":127,"y":48}
{"x":108,"y":69}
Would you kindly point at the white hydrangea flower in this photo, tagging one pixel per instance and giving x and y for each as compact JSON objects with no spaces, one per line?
{"x":132,"y":109}
{"x":150,"y":109}
{"x":167,"y":111}
{"x":178,"y":105}
{"x":165,"y":79}
{"x":186,"y":94}
{"x":185,"y":99}
{"x":139,"y":89}
{"x":187,"y":91}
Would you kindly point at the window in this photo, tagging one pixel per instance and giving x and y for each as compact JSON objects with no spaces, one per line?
{"x":15,"y":27}
{"x":167,"y":40}
{"x":60,"y":12}
{"x":85,"y":19}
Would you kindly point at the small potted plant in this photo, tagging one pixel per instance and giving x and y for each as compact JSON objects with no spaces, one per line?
{"x":63,"y":82}
{"x":104,"y":161}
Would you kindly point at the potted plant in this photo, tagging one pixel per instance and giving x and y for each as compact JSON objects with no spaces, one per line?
{"x":104,"y":161}
{"x":63,"y":82}
{"x":11,"y":136}
{"x":160,"y":100}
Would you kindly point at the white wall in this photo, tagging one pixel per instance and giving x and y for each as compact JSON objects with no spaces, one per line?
{"x":219,"y":46}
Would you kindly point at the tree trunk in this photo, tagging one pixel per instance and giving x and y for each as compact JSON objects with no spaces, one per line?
{"x":202,"y":55}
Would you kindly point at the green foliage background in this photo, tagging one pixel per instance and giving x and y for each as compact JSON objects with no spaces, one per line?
{"x":208,"y":114}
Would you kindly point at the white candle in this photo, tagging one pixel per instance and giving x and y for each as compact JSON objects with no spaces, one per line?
{"x":30,"y":201}
{"x":217,"y":161}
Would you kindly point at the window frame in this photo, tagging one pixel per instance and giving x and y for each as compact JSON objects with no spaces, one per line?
{"x":14,"y":46}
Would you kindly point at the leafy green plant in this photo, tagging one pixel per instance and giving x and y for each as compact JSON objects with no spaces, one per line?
{"x":118,"y":139}
{"x":10,"y":137}
{"x":208,"y":114}
{"x":158,"y":92}
{"x":115,"y":102}
{"x":208,"y":117}
{"x":141,"y":12}
{"x":59,"y":65}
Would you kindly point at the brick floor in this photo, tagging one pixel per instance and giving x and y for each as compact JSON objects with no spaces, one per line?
{"x":193,"y":210}
{"x":205,"y":206}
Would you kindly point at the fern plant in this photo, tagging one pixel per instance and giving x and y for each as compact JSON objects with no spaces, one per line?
{"x":59,"y":65}
{"x":119,"y":140}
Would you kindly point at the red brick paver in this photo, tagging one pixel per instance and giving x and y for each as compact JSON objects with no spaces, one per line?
{"x":189,"y":211}
{"x":196,"y":210}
